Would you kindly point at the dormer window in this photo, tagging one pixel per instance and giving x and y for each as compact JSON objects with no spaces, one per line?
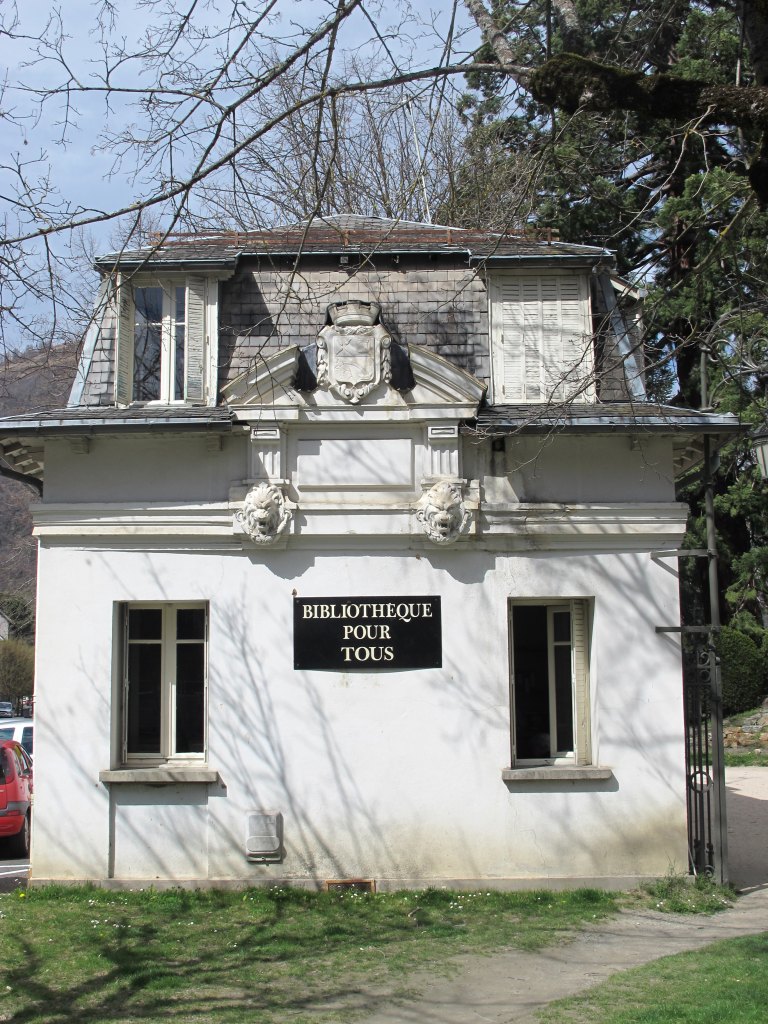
{"x":159,"y":331}
{"x":542,"y":348}
{"x":163,"y":340}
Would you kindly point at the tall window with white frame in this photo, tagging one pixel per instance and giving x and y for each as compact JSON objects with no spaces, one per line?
{"x":165,"y":352}
{"x":550,"y":695}
{"x":164,"y":679}
{"x":159,"y":340}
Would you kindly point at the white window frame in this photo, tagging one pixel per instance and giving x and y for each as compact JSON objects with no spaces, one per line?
{"x":167,"y":755}
{"x":542,"y":341}
{"x":580,"y":630}
{"x":168,"y":346}
{"x":200,"y":338}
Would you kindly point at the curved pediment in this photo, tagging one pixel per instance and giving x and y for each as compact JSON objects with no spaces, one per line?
{"x":439,"y":390}
{"x":266,"y":382}
{"x":437,"y":379}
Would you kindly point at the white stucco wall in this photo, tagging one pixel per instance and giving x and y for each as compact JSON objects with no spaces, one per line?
{"x":390,"y":775}
{"x":134,"y":469}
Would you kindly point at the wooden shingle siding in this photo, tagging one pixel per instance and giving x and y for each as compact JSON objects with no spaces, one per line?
{"x":98,"y":389}
{"x":435,"y":301}
{"x":440,"y":304}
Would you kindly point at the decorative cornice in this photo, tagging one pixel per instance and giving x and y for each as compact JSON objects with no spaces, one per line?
{"x":496,"y":527}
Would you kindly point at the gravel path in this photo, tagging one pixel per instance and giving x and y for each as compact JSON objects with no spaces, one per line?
{"x":510,"y":987}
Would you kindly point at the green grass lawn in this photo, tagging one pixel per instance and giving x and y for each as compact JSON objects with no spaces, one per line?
{"x":726,"y":983}
{"x":264,"y":955}
{"x":745,"y":759}
{"x":259,"y":956}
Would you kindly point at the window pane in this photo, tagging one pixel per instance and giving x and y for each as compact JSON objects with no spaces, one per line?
{"x":179,"y":322}
{"x":561,"y":624}
{"x":145,"y":624}
{"x":190,"y":624}
{"x":148,"y":303}
{"x":190,"y":698}
{"x":529,"y":628}
{"x":178,"y":373}
{"x":144,"y":694}
{"x":163,"y":708}
{"x":563,"y":699}
{"x":146,"y":364}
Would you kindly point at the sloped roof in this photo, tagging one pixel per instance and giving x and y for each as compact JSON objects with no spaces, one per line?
{"x":141,"y":414}
{"x":686,"y":426}
{"x":21,"y":436}
{"x":346,"y":234}
{"x":601,"y":416}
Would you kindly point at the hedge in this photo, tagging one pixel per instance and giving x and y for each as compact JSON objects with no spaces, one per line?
{"x":741,"y":668}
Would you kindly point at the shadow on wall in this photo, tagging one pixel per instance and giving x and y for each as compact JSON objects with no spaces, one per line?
{"x":275,"y":734}
{"x":281,"y":738}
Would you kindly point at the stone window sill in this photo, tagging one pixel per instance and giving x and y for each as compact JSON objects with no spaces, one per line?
{"x":557,"y":773}
{"x":159,"y":776}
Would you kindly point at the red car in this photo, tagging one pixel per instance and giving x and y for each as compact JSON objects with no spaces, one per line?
{"x":15,"y":797}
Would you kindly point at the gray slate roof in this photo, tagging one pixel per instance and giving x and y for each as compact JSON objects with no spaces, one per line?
{"x":139,"y":415}
{"x":346,"y":234}
{"x":602,"y":416}
{"x":687,"y":426}
{"x":491,"y":420}
{"x":19,"y":448}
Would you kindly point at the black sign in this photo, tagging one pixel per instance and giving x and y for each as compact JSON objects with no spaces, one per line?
{"x":368,"y":634}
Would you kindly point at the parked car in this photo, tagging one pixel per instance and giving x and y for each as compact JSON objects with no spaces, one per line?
{"x":19,"y":729}
{"x":16,"y":789}
{"x":6,"y":709}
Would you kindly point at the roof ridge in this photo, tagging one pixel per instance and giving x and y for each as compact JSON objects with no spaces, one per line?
{"x":350,"y":232}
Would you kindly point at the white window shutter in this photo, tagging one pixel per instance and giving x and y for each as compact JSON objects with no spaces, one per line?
{"x":580,"y":671}
{"x":124,"y":336}
{"x":533,"y":339}
{"x":512,"y":355}
{"x":545,"y":341}
{"x":575,"y":341}
{"x":519,"y":319}
{"x":194,"y":363}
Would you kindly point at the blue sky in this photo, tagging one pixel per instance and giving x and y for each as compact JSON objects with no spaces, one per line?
{"x":84,"y":174}
{"x":80,"y":169}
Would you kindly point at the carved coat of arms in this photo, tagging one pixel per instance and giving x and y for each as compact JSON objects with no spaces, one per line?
{"x":353,"y":352}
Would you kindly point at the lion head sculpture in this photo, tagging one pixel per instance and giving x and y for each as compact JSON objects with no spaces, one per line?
{"x":264,"y":515}
{"x":442,"y":513}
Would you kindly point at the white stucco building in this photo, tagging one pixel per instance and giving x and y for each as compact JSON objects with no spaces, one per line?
{"x":345,"y":569}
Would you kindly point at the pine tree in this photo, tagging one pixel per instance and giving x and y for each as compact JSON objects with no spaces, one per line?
{"x":675,"y":198}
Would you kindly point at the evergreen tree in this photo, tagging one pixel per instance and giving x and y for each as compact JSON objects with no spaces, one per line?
{"x":674,"y":196}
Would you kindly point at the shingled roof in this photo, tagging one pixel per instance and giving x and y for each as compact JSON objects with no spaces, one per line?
{"x":347,"y":234}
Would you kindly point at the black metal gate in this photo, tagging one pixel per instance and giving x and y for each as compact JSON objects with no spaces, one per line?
{"x":705,"y":772}
{"x":697,"y":689}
